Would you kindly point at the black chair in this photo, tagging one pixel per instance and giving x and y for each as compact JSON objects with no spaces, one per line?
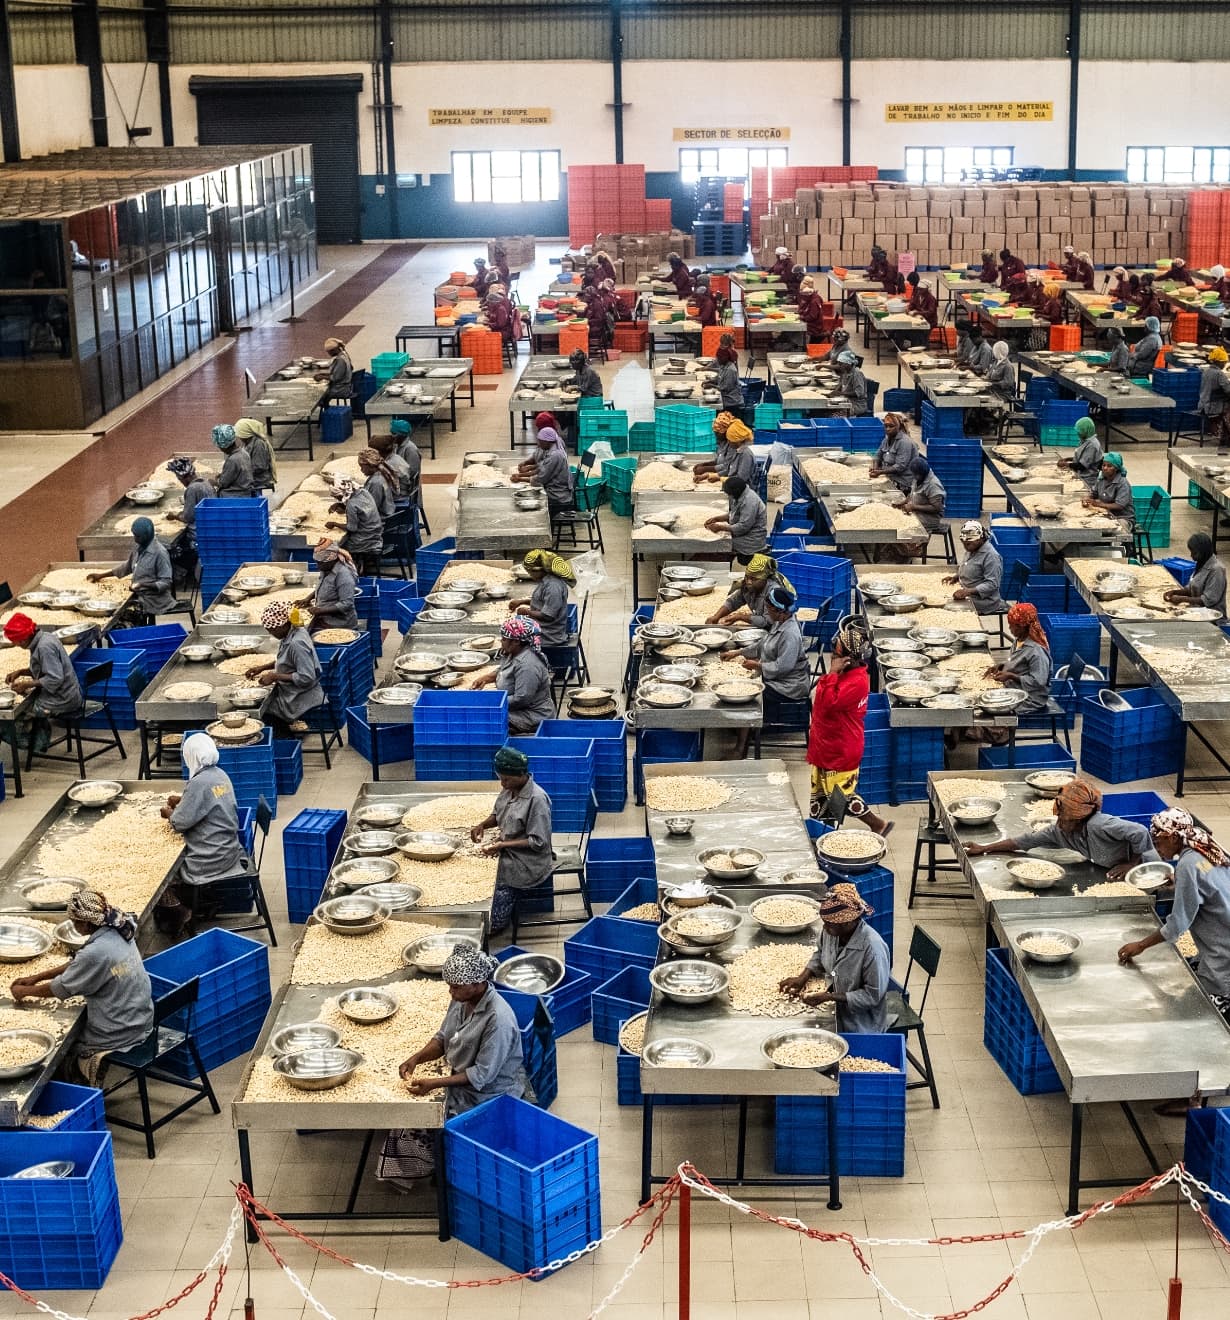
{"x":398,"y":547}
{"x":324,"y":720}
{"x":94,"y":702}
{"x":1142,"y":533}
{"x":570,"y":859}
{"x":141,"y":1063}
{"x":361,"y":393}
{"x":584,"y":511}
{"x":1018,"y":580}
{"x":244,"y":887}
{"x":904,"y":1018}
{"x":1059,"y":715}
{"x":567,"y":662}
{"x":6,"y":593}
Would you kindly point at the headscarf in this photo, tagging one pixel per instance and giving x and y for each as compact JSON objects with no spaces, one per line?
{"x":781,"y":252}
{"x":737,"y":433}
{"x":1114,"y":458}
{"x":1051,"y":290}
{"x":781,"y":599}
{"x":1025,"y":615}
{"x":91,"y":908}
{"x":1178,"y":823}
{"x":142,"y":531}
{"x":1115,"y":335}
{"x":1085,"y":427}
{"x":550,"y":437}
{"x":844,"y":903}
{"x":247,"y":429}
{"x":1218,"y":354}
{"x":343,"y":488}
{"x":999,"y":350}
{"x":371,"y":457}
{"x":1217,"y":272}
{"x":1120,"y":271}
{"x":1080,"y":798}
{"x":554,"y":564}
{"x":333,"y":342}
{"x":518,"y":628}
{"x":223,"y":436}
{"x":199,"y":752}
{"x":1200,"y":544}
{"x":20,"y":628}
{"x":920,"y":469}
{"x":326,"y":552}
{"x":1152,"y":324}
{"x":1082,"y":256}
{"x":854,"y":637}
{"x":972,"y":529}
{"x":274,"y":615}
{"x":509,"y":761}
{"x":184,"y":468}
{"x":721,"y":422}
{"x":761,"y":565}
{"x":544,"y":419}
{"x":467,"y":965}
{"x":1069,"y":250}
{"x":846,"y":359}
{"x":399,"y":426}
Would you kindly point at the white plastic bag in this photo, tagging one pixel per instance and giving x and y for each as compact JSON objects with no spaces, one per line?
{"x":592,"y":578}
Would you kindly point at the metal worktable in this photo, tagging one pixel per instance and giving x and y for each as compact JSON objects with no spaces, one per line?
{"x":436,"y":390}
{"x":675,"y":338}
{"x":939,"y":382}
{"x":770,"y":330}
{"x":288,"y":402}
{"x":1096,"y":388}
{"x":444,"y":336}
{"x":817,"y":397}
{"x":881,"y":329}
{"x":103,"y":540}
{"x":1214,"y":314}
{"x":704,"y":713}
{"x":1118,"y":1034}
{"x":664,"y":545}
{"x":1053,"y":531}
{"x":1194,"y":465}
{"x":523,"y":403}
{"x":103,"y":625}
{"x":439,"y":639}
{"x":869,"y":536}
{"x":17,"y":1097}
{"x":859,"y":483}
{"x":1001,"y":327}
{"x":1084,"y":300}
{"x":489,"y":520}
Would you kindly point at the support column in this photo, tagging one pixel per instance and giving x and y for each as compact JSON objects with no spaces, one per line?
{"x":158,"y":53}
{"x":1074,"y":77}
{"x":846,"y":47}
{"x":87,"y":45}
{"x":617,"y":79}
{"x":8,"y":89}
{"x":390,"y":142}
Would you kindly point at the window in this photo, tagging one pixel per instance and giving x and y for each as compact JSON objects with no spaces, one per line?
{"x":727,"y":162}
{"x":950,"y":164}
{"x":506,"y":176}
{"x":1178,"y":164}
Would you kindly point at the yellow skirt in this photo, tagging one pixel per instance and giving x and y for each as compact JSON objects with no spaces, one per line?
{"x":823,"y":782}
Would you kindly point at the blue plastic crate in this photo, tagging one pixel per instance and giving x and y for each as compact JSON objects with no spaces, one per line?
{"x":251,"y":771}
{"x":1133,"y":805}
{"x":564,"y":768}
{"x":1123,"y":765}
{"x":612,"y":864}
{"x":76,"y":1206}
{"x":1200,"y":1141}
{"x":520,"y":1246}
{"x":1014,"y":550}
{"x":86,"y":1112}
{"x":610,"y":738}
{"x":568,"y":1003}
{"x":1049,"y":593}
{"x":644,"y":889}
{"x":1009,"y":1033}
{"x":441,"y":718}
{"x":899,"y":400}
{"x":124,"y":662}
{"x":1219,"y":1178}
{"x":406,"y":610}
{"x":309,"y":844}
{"x":1180,"y":569}
{"x":628,"y":1085}
{"x":454,"y":762}
{"x":390,"y":592}
{"x":538,"y":1053}
{"x":1063,"y":412}
{"x":288,"y":766}
{"x":606,"y":945}
{"x":621,"y":996}
{"x":394,"y":742}
{"x":1141,"y":743}
{"x":159,"y":643}
{"x":431,"y":560}
{"x":1031,"y":756}
{"x":64,"y":1261}
{"x":232,"y":1000}
{"x":818,"y":577}
{"x":1072,"y":635}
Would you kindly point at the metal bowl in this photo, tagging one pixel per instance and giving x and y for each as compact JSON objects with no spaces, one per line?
{"x":749,"y":636}
{"x":304,"y":1036}
{"x":220,"y":614}
{"x":43,"y":1038}
{"x":197,"y":653}
{"x":677,"y":1051}
{"x":712,"y":639}
{"x":1148,"y":876}
{"x":1072,"y":943}
{"x":430,"y":953}
{"x":467,"y":586}
{"x":359,"y":872}
{"x":74,"y":632}
{"x":292,"y":577}
{"x":669,"y":593}
{"x":948,"y":700}
{"x":97,"y":608}
{"x":689,"y":981}
{"x":370,"y":843}
{"x":818,"y":1035}
{"x":247,"y":698}
{"x":490,"y":644}
{"x":683,"y":674}
{"x":380,"y":815}
{"x":911,"y":692}
{"x":1049,"y":783}
{"x":738,"y":693}
{"x":679,"y":825}
{"x":902,"y":602}
{"x":727,"y":919}
{"x":318,"y":1070}
{"x":396,"y":694}
{"x":745,"y":862}
{"x":936,"y":653}
{"x":449,"y":600}
{"x":1030,"y":882}
{"x":975,"y":810}
{"x":256,"y":584}
{"x":502,"y":590}
{"x":974,"y":639}
{"x":427,"y":845}
{"x":47,"y":1169}
{"x":659,"y":632}
{"x":27,"y":887}
{"x":785,"y":928}
{"x":682,"y":572}
{"x":530,"y":973}
{"x":239,"y":644}
{"x":66,"y":600}
{"x":145,"y":495}
{"x":420,"y":664}
{"x":367,"y":1005}
{"x":697,"y":895}
{"x":591,"y":695}
{"x":902,"y":666}
{"x":352,"y":914}
{"x":20,"y":944}
{"x":933,"y":636}
{"x":900,"y":645}
{"x":35,"y":597}
{"x":68,"y":935}
{"x":90,"y":792}
{"x":8,"y":699}
{"x":943,"y":682}
{"x":435,"y":614}
{"x":1000,"y":699}
{"x":826,"y":842}
{"x":665,"y":696}
{"x":395,"y":895}
{"x":466,"y":661}
{"x":700,"y":586}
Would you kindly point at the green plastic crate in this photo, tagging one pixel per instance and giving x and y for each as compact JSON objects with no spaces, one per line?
{"x":642,"y":437}
{"x":618,"y":474}
{"x":621,"y":504}
{"x":1197,"y":498}
{"x":1059,"y":437}
{"x":768,"y":416}
{"x":1159,"y":530}
{"x":603,"y":423}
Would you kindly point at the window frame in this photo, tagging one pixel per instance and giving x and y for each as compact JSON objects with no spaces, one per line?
{"x":708,"y":163}
{"x":535,"y":171}
{"x":933,"y":166}
{"x":1208,"y":164}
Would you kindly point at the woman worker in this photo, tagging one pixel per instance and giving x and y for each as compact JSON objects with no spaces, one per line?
{"x":1178,"y":272}
{"x":1082,"y":825}
{"x":400,"y":430}
{"x":1009,"y":267}
{"x":1144,"y":353}
{"x":706,"y":303}
{"x":1050,"y":308}
{"x":748,"y":602}
{"x":727,"y":382}
{"x":1207,"y":585}
{"x":380,"y":482}
{"x":745,"y":520}
{"x":1117,"y":286}
{"x":1001,"y":375}
{"x":51,"y":677}
{"x":363,"y":528}
{"x":855,"y":960}
{"x":549,"y":469}
{"x":988,"y":273}
{"x":980,"y":578}
{"x":108,"y":973}
{"x":1147,"y":302}
{"x":251,"y":435}
{"x":1069,"y":266}
{"x":922,"y":301}
{"x":1028,"y":665}
{"x":149,"y":566}
{"x":780,"y":659}
{"x":1112,"y":492}
{"x":783,"y":264}
{"x":524,"y":674}
{"x":896,"y":452}
{"x":853,"y":384}
{"x":480,"y":1043}
{"x":1201,"y":902}
{"x":925,"y":499}
{"x":332,"y":603}
{"x":811,"y":310}
{"x":294,"y":674}
{"x":715,"y":468}
{"x":547,"y":605}
{"x":1220,"y":282}
{"x":1119,"y":358}
{"x":1087,"y":460}
{"x":522,"y":813}
{"x":1084,"y":270}
{"x":1215,"y":397}
{"x":737,"y":459}
{"x":339,"y":373}
{"x":235,"y":481}
{"x":878,"y":267}
{"x":196,"y":489}
{"x":680,"y":276}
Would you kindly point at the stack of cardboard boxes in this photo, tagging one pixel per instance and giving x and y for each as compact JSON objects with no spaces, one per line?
{"x":634,"y":255}
{"x":519,"y":249}
{"x":1117,"y":224}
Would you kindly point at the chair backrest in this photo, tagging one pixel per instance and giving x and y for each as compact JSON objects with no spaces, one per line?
{"x":174,"y":1001}
{"x":264,"y":818}
{"x":96,"y":674}
{"x":6,"y":593}
{"x":1076,"y":668}
{"x":586,"y":460}
{"x":136,"y":682}
{"x":835,"y":808}
{"x":926,"y":953}
{"x":1018,"y":580}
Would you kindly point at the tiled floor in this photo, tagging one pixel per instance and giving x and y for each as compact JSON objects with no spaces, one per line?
{"x":987,"y":1161}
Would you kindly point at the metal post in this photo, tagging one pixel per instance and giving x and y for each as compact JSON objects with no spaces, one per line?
{"x":158,"y":53}
{"x":1074,"y":76}
{"x":617,"y":79}
{"x":685,"y":1252}
{"x":8,"y":96}
{"x":846,"y":48}
{"x":87,"y":47}
{"x":390,"y":144}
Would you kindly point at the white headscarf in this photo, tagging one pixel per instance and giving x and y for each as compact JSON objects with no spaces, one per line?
{"x":199,"y":752}
{"x":999,"y":350}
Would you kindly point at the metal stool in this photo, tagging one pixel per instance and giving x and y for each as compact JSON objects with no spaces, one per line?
{"x":931,"y":837}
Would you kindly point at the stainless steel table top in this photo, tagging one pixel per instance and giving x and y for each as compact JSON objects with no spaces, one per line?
{"x":705,"y":712}
{"x":663,"y":543}
{"x":279,"y":400}
{"x":868,"y":535}
{"x":104,"y":540}
{"x":1052,"y":531}
{"x":858,"y":484}
{"x":1112,"y":393}
{"x":435,"y":390}
{"x":541,"y":368}
{"x":17,"y":1097}
{"x":439,"y":640}
{"x":154,"y":707}
{"x":1195,"y":464}
{"x":104,"y":625}
{"x":488,"y":519}
{"x":1205,"y":695}
{"x":1084,"y":300}
{"x":1143,"y":1032}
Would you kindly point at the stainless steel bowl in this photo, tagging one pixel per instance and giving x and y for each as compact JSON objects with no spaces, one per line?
{"x":74,"y":632}
{"x":238,"y":644}
{"x":467,"y":661}
{"x":816,"y":1035}
{"x":591,"y":695}
{"x":448,"y":600}
{"x":47,"y":1169}
{"x":27,"y":887}
{"x":20,"y":944}
{"x":1148,"y":876}
{"x":683,"y":674}
{"x":1000,"y":699}
{"x":35,"y":597}
{"x":1064,"y":937}
{"x":1049,"y":783}
{"x":530,"y":973}
{"x":678,"y":1052}
{"x":427,"y":845}
{"x":380,"y":815}
{"x":420,"y":664}
{"x":1032,"y":882}
{"x":371,"y":843}
{"x":974,"y":639}
{"x":900,"y":645}
{"x":682,"y":572}
{"x":934,"y":636}
{"x":292,"y":577}
{"x":726,"y":921}
{"x":745,"y":861}
{"x":738,"y":692}
{"x":359,"y":872}
{"x":395,"y":895}
{"x":911,"y":692}
{"x":90,"y":792}
{"x":826,"y":844}
{"x":396,"y":694}
{"x":42,"y":1038}
{"x":68,"y":935}
{"x":789,"y":927}
{"x":748,"y":636}
{"x":145,"y":495}
{"x":974,"y":810}
{"x":304,"y":1036}
{"x":197,"y":653}
{"x":697,"y":895}
{"x":669,"y":593}
{"x":900,"y":666}
{"x":468,"y":586}
{"x":318,"y":1070}
{"x":665,"y":696}
{"x":502,"y":590}
{"x":903,"y":602}
{"x":689,"y":981}
{"x":679,"y":825}
{"x":943,"y":682}
{"x":712,"y":639}
{"x":220,"y":614}
{"x":256,"y":584}
{"x":247,"y":698}
{"x":98,"y":607}
{"x":430,"y":953}
{"x":367,"y":1005}
{"x":352,"y":914}
{"x":701,"y":586}
{"x":436,"y":614}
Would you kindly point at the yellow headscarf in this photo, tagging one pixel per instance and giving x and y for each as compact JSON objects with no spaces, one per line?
{"x":737,"y":433}
{"x":247,"y":429}
{"x":721,"y":422}
{"x":552,"y":563}
{"x":762,"y":565}
{"x":1051,"y":290}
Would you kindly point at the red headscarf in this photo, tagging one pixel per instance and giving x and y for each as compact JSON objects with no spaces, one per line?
{"x":1024,"y":615}
{"x":544,"y":419}
{"x":20,"y":629}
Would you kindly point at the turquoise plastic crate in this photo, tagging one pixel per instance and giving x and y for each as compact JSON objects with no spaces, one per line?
{"x":618,"y":474}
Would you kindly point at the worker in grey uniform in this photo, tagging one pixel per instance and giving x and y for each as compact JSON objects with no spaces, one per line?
{"x":235,"y":481}
{"x":780,"y":660}
{"x":896,"y":452}
{"x":149,"y":566}
{"x":196,"y":489}
{"x":549,"y":469}
{"x":584,"y":378}
{"x":1117,"y":362}
{"x":852,"y":384}
{"x":294,"y":674}
{"x":207,"y":815}
{"x":1144,"y":354}
{"x":745,"y":520}
{"x":380,"y":482}
{"x":363,"y":528}
{"x":1028,"y":665}
{"x":408,"y":452}
{"x":1112,"y":492}
{"x":1207,"y":585}
{"x":980,"y":578}
{"x":332,"y":604}
{"x":524,"y":674}
{"x":547,"y":604}
{"x":1086,"y":461}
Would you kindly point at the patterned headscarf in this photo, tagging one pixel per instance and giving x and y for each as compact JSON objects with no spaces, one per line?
{"x":181,"y":467}
{"x":371,"y":458}
{"x":274,"y":615}
{"x":854,"y":637}
{"x":1178,"y":823}
{"x":520,"y":629}
{"x":1024,"y":615}
{"x":721,"y":422}
{"x":199,"y":752}
{"x":844,"y":903}
{"x":737,"y":433}
{"x":781,"y":599}
{"x":467,"y":965}
{"x":326,"y":552}
{"x":223,"y":436}
{"x":20,"y":628}
{"x":91,"y":908}
{"x":509,"y":761}
{"x":761,"y":565}
{"x":554,"y":564}
{"x":973,"y":530}
{"x":1079,"y":798}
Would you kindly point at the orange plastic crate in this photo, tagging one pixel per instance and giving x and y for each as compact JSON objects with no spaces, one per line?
{"x":630,"y":338}
{"x":720,"y":285}
{"x":573,"y":337}
{"x":819,"y":350}
{"x":1186,"y":326}
{"x":1065,"y":338}
{"x":710,"y":339}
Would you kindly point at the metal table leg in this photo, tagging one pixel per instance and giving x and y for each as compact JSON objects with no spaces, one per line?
{"x":10,"y":735}
{"x":245,"y":1174}
{"x":646,"y":1146}
{"x":1074,"y":1158}
{"x":834,"y":1153}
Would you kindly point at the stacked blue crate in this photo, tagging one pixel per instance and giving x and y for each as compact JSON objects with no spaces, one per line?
{"x":606,"y":945}
{"x":456,"y":734}
{"x":1071,"y":635}
{"x":1140,"y":743}
{"x":958,"y":465}
{"x":119,"y":698}
{"x":568,"y":1003}
{"x":818,"y":577}
{"x":230,"y":533}
{"x":82,"y":1107}
{"x":944,"y":424}
{"x":621,"y":996}
{"x":1057,"y":420}
{"x":431,"y":560}
{"x":916,"y":752}
{"x":367,"y":607}
{"x":309,"y":844}
{"x":1183,"y":386}
{"x":523,"y":1185}
{"x":1009,"y":1033}
{"x":1031,"y":756}
{"x":354,"y":675}
{"x":1178,"y":568}
{"x":232,"y":1000}
{"x":251,"y":770}
{"x":390,"y":592}
{"x":1016,"y":545}
{"x":159,"y":644}
{"x":1219,"y":1169}
{"x":610,"y":738}
{"x":391,"y":742}
{"x":406,"y":609}
{"x":899,"y":400}
{"x":612,"y":864}
{"x":870,"y":1119}
{"x":564,"y":769}
{"x":685,"y":428}
{"x":1200,"y":1142}
{"x":58,"y":1232}
{"x":1050,"y":593}
{"x":875,"y":774}
{"x":866,"y":434}
{"x":644,"y":889}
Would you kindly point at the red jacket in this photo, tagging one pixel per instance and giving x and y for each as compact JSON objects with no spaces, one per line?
{"x":893,"y":281}
{"x":837,"y":716}
{"x":681,"y":278}
{"x":811,"y":311}
{"x":606,"y":268}
{"x":1221,"y":287}
{"x":706,"y":309}
{"x":1180,"y":274}
{"x":1121,"y":290}
{"x":782,"y":267}
{"x":1012,"y":266}
{"x":1149,"y":305}
{"x":924,"y":303}
{"x":1071,"y":269}
{"x":989,"y":272}
{"x":1051,"y":310}
{"x":878,"y":268}
{"x":1085,"y":273}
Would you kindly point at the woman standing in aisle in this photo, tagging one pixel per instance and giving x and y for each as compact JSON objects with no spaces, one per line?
{"x":745,"y":520}
{"x":780,"y":658}
{"x":547,"y":605}
{"x":149,"y":566}
{"x":522,"y":814}
{"x":980,"y":578}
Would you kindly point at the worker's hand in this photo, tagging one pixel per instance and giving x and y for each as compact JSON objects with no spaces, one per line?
{"x":492,"y":849}
{"x":1119,"y":871}
{"x":714,"y":619}
{"x":1087,"y":503}
{"x":407,"y":1067}
{"x":95,"y":577}
{"x":172,"y":517}
{"x":476,"y":833}
{"x":524,"y":610}
{"x":820,"y":997}
{"x":976,"y":849}
{"x":252,"y":673}
{"x":709,"y":524}
{"x":1131,"y":950}
{"x":1174,"y":597}
{"x":25,"y":990}
{"x":791,"y":985}
{"x":950,"y":581}
{"x":337,"y":507}
{"x":753,"y":665}
{"x":265,"y":678}
{"x":174,"y":799}
{"x":422,"y":1085}
{"x":335,"y":527}
{"x":840,"y":663}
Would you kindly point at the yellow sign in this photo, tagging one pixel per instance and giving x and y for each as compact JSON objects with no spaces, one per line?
{"x":710,"y":136}
{"x":488,"y":118}
{"x":906,"y":112}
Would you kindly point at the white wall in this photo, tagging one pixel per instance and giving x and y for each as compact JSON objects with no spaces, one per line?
{"x":53,"y":108}
{"x":132,"y":96}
